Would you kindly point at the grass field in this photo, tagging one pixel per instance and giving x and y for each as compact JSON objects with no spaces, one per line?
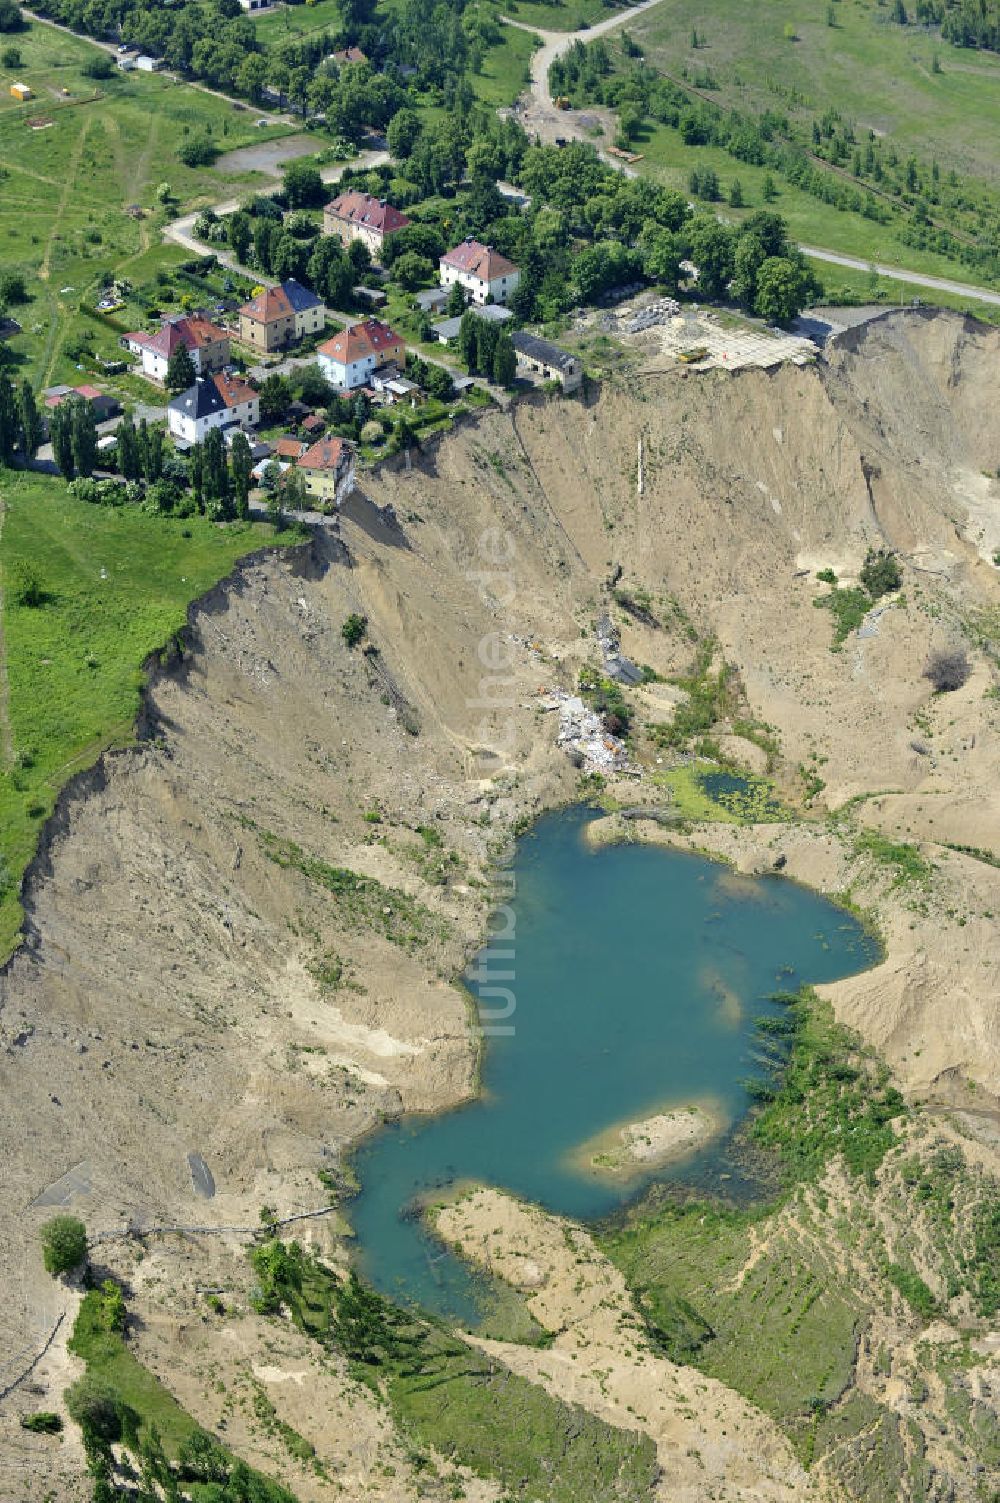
{"x":65,"y":187}
{"x":118,"y":583}
{"x":873,"y":71}
{"x":667,"y":158}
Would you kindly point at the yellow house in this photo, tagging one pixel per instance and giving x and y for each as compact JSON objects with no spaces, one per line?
{"x":20,"y":91}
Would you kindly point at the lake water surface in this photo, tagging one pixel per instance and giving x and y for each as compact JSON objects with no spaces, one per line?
{"x":638,"y":973}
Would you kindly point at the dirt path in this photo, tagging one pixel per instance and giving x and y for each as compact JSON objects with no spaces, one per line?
{"x":555,"y":43}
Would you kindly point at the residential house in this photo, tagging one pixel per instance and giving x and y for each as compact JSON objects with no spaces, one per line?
{"x":313,"y":425}
{"x":349,"y":359}
{"x":486,"y":276}
{"x":448,"y":329}
{"x":104,"y":406}
{"x":539,"y":357}
{"x":214,"y":401}
{"x":349,"y":55}
{"x":278,"y":316}
{"x":147,"y":64}
{"x":360,"y":216}
{"x":206,"y":343}
{"x":255,"y":4}
{"x":289,"y":449}
{"x":328,"y":470}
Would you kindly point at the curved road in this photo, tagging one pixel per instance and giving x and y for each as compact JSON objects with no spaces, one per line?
{"x":543,"y":118}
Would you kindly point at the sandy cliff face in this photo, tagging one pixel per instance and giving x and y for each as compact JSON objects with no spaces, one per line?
{"x":184,"y":991}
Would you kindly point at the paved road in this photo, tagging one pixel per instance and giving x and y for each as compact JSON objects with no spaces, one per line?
{"x":540,"y":116}
{"x":900,"y":274}
{"x":555,"y":43}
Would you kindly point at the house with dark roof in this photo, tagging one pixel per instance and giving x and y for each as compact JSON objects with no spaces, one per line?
{"x":360,"y":216}
{"x":485,"y":275}
{"x":206,"y":343}
{"x":328,"y":470}
{"x":349,"y":359}
{"x":448,"y":329}
{"x":539,"y":357}
{"x":278,"y":316}
{"x":215,"y":401}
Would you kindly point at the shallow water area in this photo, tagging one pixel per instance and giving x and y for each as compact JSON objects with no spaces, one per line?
{"x":637,"y":973}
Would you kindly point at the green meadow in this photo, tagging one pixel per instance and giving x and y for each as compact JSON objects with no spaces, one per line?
{"x":116,"y":586}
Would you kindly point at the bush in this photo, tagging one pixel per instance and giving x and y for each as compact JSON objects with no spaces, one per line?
{"x":354,"y":629}
{"x":880,"y":572}
{"x":64,"y":1244}
{"x":199,"y":151}
{"x":99,"y":66}
{"x":948,"y":669}
{"x":45,"y":1422}
{"x":25,"y":586}
{"x":96,"y":1407}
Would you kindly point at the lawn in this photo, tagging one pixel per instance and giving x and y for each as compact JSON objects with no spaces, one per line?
{"x":65,"y":187}
{"x":872,"y":70}
{"x":118,"y":583}
{"x":560,"y":15}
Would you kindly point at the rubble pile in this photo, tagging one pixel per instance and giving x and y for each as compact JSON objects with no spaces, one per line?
{"x":583,"y":735}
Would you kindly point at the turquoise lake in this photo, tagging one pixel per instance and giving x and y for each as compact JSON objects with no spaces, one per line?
{"x":637,"y":972}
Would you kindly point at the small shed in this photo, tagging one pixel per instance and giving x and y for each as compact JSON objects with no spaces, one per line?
{"x":20,"y":91}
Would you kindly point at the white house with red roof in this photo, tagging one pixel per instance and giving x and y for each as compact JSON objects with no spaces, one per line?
{"x":207,"y":344}
{"x":349,"y":359}
{"x":214,"y":401}
{"x":486,"y":276}
{"x":360,"y":216}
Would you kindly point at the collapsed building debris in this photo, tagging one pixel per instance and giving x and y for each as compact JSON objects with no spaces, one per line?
{"x":583,"y":735}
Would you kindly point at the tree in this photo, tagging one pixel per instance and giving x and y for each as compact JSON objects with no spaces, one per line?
{"x":96,"y":1407}
{"x":294,"y":494}
{"x":748,"y":257}
{"x":948,"y":669}
{"x":412,"y":271}
{"x":240,"y":231}
{"x":712,"y":253}
{"x":275,"y":394}
{"x":196,"y":472}
{"x":9,"y":424}
{"x":83,"y":435}
{"x":456,"y":304}
{"x":354,"y":629}
{"x":242,"y":462}
{"x":64,"y":1244}
{"x":783,"y":289}
{"x":304,"y":186}
{"x":24,"y":585}
{"x":31,"y":423}
{"x":129,"y":457}
{"x":404,"y":129}
{"x":768,"y":191}
{"x":215,"y":474}
{"x":467,"y":341}
{"x":61,"y":438}
{"x":736,"y":194}
{"x":181,"y":372}
{"x":504,"y":360}
{"x":197,"y":151}
{"x":880,"y":573}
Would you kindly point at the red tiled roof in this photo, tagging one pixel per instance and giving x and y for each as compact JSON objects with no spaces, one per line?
{"x":350,"y":55}
{"x":269,"y":305}
{"x":478,"y":260}
{"x":232,"y":390}
{"x":369,"y":337}
{"x":325,"y":455}
{"x":192,"y":332}
{"x":314,"y":423}
{"x":288,"y":448}
{"x":364,"y":209}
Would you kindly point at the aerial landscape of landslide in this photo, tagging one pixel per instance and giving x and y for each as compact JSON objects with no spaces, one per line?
{"x":245,"y":938}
